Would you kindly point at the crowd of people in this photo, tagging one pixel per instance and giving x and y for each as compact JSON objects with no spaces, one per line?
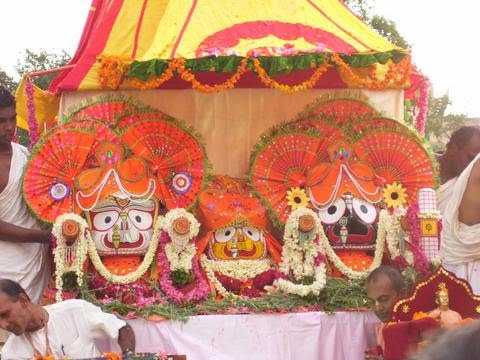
{"x":70,"y":328}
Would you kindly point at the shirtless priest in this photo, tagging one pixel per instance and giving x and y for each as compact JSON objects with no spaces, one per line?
{"x":67,"y":329}
{"x":23,"y":246}
{"x":459,"y":203}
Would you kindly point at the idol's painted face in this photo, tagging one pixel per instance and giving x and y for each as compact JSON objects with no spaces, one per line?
{"x":122,"y":226}
{"x":350,"y":222}
{"x":237,"y":243}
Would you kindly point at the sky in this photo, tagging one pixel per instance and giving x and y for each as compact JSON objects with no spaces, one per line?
{"x":444,"y":36}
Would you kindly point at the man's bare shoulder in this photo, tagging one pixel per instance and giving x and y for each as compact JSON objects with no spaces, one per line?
{"x":475,"y":174}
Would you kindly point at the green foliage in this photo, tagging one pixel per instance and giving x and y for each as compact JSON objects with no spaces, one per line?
{"x":388,"y":29}
{"x":69,"y":280}
{"x":344,"y":294}
{"x":362,"y":8}
{"x":7,"y":81}
{"x":440,"y":125}
{"x":39,"y":61}
{"x":181,"y":277}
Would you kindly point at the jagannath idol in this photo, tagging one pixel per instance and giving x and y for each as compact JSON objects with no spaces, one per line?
{"x":239,"y":255}
{"x":359,"y":171}
{"x":105,"y":178}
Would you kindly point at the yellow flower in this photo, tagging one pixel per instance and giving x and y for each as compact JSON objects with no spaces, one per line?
{"x":297,"y":198}
{"x":395,"y":195}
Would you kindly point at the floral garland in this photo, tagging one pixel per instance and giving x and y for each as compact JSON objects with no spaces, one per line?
{"x":113,"y":72}
{"x":62,"y":251}
{"x":201,"y":288}
{"x":156,"y":81}
{"x":307,"y":84}
{"x":320,"y":279}
{"x":237,"y":269}
{"x":139,"y":272}
{"x":240,"y":269}
{"x":180,"y":259}
{"x":412,"y":217}
{"x":180,"y":241}
{"x":31,"y":114}
{"x":187,"y":75}
{"x":391,"y":78}
{"x":302,"y":256}
{"x":300,"y":250}
{"x":383,"y":230}
{"x":393,"y":238}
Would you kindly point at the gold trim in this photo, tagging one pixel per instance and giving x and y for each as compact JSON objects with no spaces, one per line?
{"x":439,"y":272}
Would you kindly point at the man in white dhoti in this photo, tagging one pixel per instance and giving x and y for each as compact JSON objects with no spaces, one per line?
{"x":23,"y":246}
{"x":63,"y":330}
{"x":459,"y":203}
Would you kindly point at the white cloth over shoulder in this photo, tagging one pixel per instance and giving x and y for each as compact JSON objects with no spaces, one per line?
{"x":73,"y":327}
{"x":25,"y":263}
{"x":460,"y":249}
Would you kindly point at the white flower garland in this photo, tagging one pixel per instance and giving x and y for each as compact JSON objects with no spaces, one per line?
{"x":205,"y":262}
{"x":303,"y":290}
{"x":384,"y":231}
{"x":393,"y":235}
{"x":180,"y":259}
{"x":237,"y":269}
{"x":139,"y":272}
{"x":298,"y":256}
{"x":78,"y":249}
{"x":240,"y":269}
{"x":180,"y":241}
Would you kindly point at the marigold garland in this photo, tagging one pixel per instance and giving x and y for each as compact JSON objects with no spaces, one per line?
{"x":156,"y":81}
{"x":187,"y":75}
{"x":396,"y":76}
{"x":307,"y":84}
{"x":113,"y":73}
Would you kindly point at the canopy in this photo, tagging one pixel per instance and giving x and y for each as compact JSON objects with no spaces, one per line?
{"x":125,"y":44}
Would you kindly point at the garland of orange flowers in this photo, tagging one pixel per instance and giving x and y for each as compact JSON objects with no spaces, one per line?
{"x":112,"y":75}
{"x":112,"y":72}
{"x":396,"y":76}
{"x":187,"y":75}
{"x":155,"y":81}
{"x":307,"y":84}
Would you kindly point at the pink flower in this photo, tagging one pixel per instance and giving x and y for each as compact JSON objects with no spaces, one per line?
{"x":198,"y":291}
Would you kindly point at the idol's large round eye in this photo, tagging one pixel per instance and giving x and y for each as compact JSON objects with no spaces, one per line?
{"x":252,"y":233}
{"x":365,"y":211}
{"x":103,"y":221}
{"x":224,"y":235}
{"x":142,"y":220}
{"x":333,"y":213}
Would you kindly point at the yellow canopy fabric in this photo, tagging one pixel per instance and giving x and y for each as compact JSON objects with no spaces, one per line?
{"x":143,"y":30}
{"x":44,"y":107}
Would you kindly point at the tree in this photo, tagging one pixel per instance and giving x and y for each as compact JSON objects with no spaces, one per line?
{"x":39,"y":61}
{"x":439,"y":125}
{"x":35,"y":61}
{"x":7,"y":81}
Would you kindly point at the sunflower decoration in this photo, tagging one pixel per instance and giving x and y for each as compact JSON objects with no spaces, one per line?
{"x":395,"y":195}
{"x":297,"y":198}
